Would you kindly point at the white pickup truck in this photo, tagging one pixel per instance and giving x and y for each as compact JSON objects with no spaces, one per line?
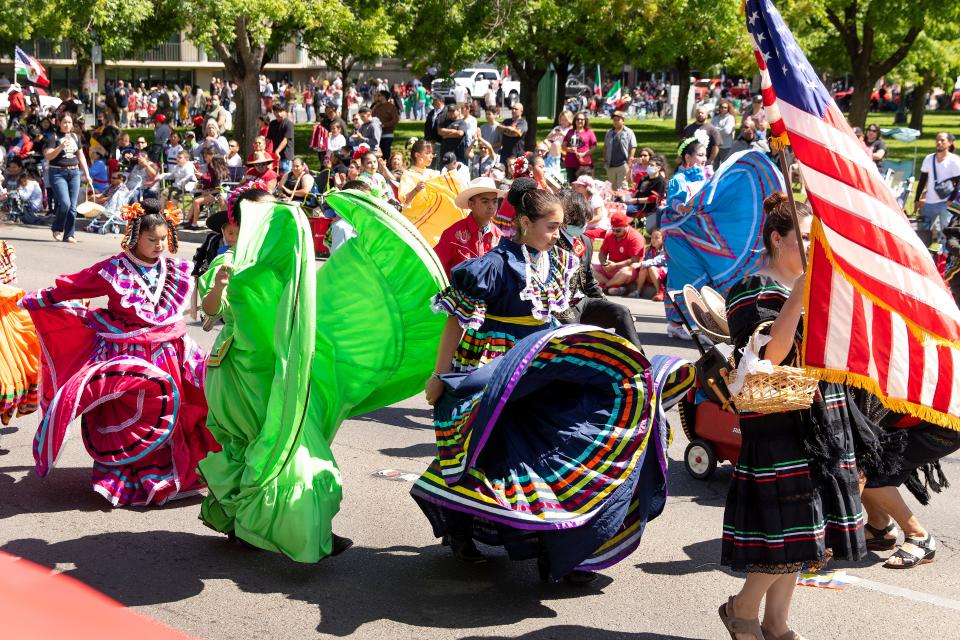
{"x":476,"y":81}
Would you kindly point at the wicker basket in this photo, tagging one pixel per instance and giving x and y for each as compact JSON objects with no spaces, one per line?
{"x":785,"y":389}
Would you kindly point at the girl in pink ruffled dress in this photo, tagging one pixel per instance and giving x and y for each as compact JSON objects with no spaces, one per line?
{"x":129,"y":370}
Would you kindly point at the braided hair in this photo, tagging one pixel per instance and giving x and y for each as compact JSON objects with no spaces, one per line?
{"x":147,"y":215}
{"x":529,"y":201}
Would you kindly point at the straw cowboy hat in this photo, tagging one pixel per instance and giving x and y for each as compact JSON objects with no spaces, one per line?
{"x":259,"y":158}
{"x":716,"y":306}
{"x":701,"y":315}
{"x":476,"y":186}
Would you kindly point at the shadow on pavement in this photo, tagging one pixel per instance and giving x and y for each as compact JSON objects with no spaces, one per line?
{"x":419,"y":450}
{"x":402,"y":417}
{"x":420,"y":587}
{"x":64,"y":489}
{"x":682,"y":486}
{"x":703,"y":557}
{"x":575,"y":632}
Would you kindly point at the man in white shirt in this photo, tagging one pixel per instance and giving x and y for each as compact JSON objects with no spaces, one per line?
{"x":939,"y":179}
{"x":460,"y":94}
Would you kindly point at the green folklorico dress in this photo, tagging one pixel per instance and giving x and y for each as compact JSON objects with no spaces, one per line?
{"x":302,"y":350}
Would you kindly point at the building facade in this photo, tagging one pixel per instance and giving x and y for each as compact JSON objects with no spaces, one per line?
{"x":180,"y":61}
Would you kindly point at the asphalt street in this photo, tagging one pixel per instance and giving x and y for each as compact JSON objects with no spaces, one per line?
{"x":397,"y":582}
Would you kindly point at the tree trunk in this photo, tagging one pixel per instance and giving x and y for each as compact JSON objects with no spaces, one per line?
{"x":860,"y":100}
{"x":345,"y":67}
{"x":242,"y":63}
{"x":919,"y":106}
{"x":683,"y":73}
{"x":530,"y":77}
{"x":248,"y":109}
{"x":562,"y":67}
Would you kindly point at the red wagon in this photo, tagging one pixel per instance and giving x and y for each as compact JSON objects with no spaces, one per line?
{"x":713,"y":431}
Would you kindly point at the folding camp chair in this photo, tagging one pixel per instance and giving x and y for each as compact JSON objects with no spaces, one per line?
{"x":899,"y":175}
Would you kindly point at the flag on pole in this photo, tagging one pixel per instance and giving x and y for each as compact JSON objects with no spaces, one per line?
{"x":29,"y":66}
{"x":597,"y":87}
{"x":613,"y":96}
{"x":878,"y":314}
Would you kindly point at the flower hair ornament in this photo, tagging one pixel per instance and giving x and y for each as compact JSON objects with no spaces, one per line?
{"x":362,"y":150}
{"x":134,"y":214}
{"x":408,"y":149}
{"x":521,"y":167}
{"x":686,"y":142}
{"x":172,"y":214}
{"x":236,"y":193}
{"x":131,"y":212}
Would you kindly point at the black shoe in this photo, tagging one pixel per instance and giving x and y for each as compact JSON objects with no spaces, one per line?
{"x":580,"y":578}
{"x":340,"y":544}
{"x":543,"y":567}
{"x":232,"y":537}
{"x":465,"y":550}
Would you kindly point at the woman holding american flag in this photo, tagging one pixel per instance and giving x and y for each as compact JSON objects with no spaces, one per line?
{"x":794,"y":497}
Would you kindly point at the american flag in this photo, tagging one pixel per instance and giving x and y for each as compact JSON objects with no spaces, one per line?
{"x":878,"y":314}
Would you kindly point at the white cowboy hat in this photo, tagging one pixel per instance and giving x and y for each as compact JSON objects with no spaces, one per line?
{"x":477,"y":185}
{"x":15,"y":87}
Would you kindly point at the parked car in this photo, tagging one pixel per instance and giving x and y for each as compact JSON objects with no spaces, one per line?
{"x":576,"y":87}
{"x":477,"y":80}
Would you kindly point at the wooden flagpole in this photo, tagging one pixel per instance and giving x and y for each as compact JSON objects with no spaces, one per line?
{"x":785,"y":168}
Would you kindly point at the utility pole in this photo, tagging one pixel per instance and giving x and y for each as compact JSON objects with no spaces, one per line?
{"x":96,"y":55}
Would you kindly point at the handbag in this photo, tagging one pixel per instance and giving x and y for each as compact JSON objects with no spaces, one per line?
{"x":943,"y":188}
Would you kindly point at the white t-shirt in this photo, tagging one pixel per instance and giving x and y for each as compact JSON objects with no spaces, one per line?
{"x":948,"y":168}
{"x":32,"y":193}
{"x":335,"y":143}
{"x":460,"y":93}
{"x":471,"y":128}
{"x":463,"y":174}
{"x":234,"y":161}
{"x":596,"y":202}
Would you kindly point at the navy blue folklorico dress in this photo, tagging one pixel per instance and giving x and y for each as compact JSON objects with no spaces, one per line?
{"x":794,"y":493}
{"x":551,"y":441}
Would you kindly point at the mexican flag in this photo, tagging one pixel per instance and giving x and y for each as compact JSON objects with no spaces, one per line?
{"x":596,"y":83}
{"x":26,"y":65}
{"x":613,"y":96}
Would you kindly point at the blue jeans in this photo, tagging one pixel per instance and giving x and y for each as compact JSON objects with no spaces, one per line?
{"x":420,"y":110}
{"x":935,"y":212}
{"x":29,"y":214}
{"x":65,"y":184}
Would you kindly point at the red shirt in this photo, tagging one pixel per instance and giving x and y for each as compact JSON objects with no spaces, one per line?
{"x":266,"y":176}
{"x":631,"y":245}
{"x":464,"y":240}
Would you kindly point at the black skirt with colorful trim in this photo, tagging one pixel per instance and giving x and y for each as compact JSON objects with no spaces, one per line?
{"x":794,"y":493}
{"x":557,"y":449}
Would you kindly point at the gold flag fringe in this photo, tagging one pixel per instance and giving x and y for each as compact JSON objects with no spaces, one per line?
{"x":860,"y":381}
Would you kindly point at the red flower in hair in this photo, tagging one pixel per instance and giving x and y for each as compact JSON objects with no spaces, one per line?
{"x":361,"y":151}
{"x":521,"y":167}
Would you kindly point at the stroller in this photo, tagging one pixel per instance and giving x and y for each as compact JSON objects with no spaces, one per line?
{"x":110,"y":220}
{"x":707,"y":415}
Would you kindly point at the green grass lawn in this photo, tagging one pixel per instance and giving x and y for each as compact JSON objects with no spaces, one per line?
{"x":659,"y":135}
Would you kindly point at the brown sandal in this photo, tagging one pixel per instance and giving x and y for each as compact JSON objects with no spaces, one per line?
{"x":789,"y":635}
{"x":739,"y":625}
